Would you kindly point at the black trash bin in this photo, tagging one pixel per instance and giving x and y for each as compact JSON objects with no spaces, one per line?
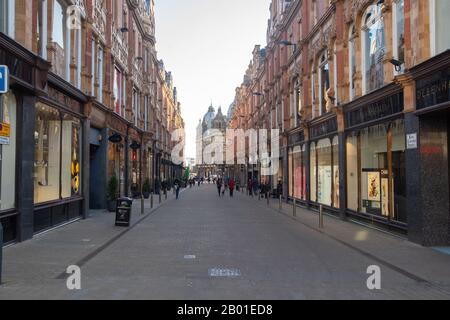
{"x":123,"y":212}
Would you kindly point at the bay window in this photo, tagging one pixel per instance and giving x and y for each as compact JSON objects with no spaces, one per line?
{"x":373,"y":48}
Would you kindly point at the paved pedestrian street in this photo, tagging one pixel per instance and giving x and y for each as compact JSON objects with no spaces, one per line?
{"x":206,"y":247}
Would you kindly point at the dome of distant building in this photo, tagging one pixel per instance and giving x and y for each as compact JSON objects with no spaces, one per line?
{"x":209,"y":117}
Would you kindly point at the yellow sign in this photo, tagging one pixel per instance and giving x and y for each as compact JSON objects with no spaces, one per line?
{"x":5,"y":129}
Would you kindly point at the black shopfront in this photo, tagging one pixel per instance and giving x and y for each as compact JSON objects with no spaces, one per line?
{"x":428,"y":138}
{"x":41,"y":163}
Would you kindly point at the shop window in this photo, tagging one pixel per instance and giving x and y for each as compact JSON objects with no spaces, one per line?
{"x":313,"y":172}
{"x":324,"y":85}
{"x":291,"y":173}
{"x":71,"y":157}
{"x":352,"y":172}
{"x":373,"y":44}
{"x":336,"y":181}
{"x":57,"y":167}
{"x":374,"y":186}
{"x":399,"y":31}
{"x":299,"y":172}
{"x":8,"y":152}
{"x":324,"y":172}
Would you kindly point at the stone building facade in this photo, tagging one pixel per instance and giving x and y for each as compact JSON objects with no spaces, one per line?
{"x":88,"y":100}
{"x":359,"y":91}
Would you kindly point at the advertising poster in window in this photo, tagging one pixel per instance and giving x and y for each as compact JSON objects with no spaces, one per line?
{"x":298,"y":182}
{"x":324,"y":187}
{"x":373,"y":190}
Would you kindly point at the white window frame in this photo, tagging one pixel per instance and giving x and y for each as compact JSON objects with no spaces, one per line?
{"x":93,"y":59}
{"x":100,"y":73}
{"x":313,"y":92}
{"x":319,"y":71}
{"x":335,"y":86}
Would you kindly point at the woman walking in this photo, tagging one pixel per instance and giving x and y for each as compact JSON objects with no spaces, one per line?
{"x":231,"y":185}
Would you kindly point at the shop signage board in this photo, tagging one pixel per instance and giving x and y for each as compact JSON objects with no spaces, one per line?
{"x":4,"y":79}
{"x":433,"y":90}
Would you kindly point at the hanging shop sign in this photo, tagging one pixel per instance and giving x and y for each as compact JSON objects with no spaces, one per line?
{"x":4,"y":79}
{"x":433,"y":90}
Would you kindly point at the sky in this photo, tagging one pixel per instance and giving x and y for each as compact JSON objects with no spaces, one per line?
{"x":208,"y":45}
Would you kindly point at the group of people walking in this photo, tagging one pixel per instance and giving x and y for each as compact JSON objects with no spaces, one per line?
{"x":224,"y":186}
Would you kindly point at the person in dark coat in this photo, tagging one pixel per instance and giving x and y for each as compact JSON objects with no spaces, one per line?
{"x":219,"y":186}
{"x":279,"y":188}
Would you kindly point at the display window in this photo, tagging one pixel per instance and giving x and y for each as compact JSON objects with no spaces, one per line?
{"x":7,"y":151}
{"x":57,"y":165}
{"x":376,"y":174}
{"x":116,"y":164}
{"x":298,"y":173}
{"x":313,"y":172}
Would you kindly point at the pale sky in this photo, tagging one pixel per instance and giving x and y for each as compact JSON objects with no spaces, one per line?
{"x":208,"y":44}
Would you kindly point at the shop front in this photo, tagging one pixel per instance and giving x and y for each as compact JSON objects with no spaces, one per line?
{"x":58,"y":157}
{"x":297,"y":166}
{"x":323,"y":163}
{"x":428,"y":142}
{"x":375,"y":158}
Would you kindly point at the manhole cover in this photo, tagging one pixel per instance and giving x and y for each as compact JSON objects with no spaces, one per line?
{"x":218,"y":272}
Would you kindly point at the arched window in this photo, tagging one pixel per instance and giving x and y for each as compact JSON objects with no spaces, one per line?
{"x":373,"y":48}
{"x":352,"y":61}
{"x":324,"y":83}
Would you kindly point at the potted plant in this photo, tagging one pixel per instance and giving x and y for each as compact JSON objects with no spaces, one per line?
{"x":111,"y":193}
{"x":146,"y":189}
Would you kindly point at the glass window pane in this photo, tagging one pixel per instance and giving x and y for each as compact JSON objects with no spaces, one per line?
{"x":442,"y":25}
{"x":352,"y":172}
{"x":71,"y":157}
{"x":324,"y":172}
{"x":47,"y":154}
{"x":313,"y":172}
{"x":374,"y":166}
{"x":336,"y":172}
{"x":3,"y":15}
{"x":399,"y":170}
{"x":8,"y":154}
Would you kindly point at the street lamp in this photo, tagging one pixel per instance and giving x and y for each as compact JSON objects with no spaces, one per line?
{"x":288,"y":43}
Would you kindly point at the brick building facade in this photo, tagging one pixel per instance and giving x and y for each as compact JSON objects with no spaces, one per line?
{"x":359,"y":90}
{"x":88,"y":100}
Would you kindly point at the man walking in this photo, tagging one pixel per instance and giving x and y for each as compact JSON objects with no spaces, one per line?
{"x":219,"y":186}
{"x":177,"y":189}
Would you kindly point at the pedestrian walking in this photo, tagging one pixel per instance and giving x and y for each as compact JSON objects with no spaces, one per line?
{"x":231,"y":185}
{"x":177,"y":189}
{"x":219,"y":187}
{"x":250,"y":186}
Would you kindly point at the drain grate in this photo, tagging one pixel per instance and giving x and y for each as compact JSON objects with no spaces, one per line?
{"x":219,"y":272}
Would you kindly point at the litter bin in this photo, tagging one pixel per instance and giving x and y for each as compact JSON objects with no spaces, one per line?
{"x":123,"y":212}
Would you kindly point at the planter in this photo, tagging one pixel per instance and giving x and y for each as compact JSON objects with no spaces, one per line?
{"x":111,"y":205}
